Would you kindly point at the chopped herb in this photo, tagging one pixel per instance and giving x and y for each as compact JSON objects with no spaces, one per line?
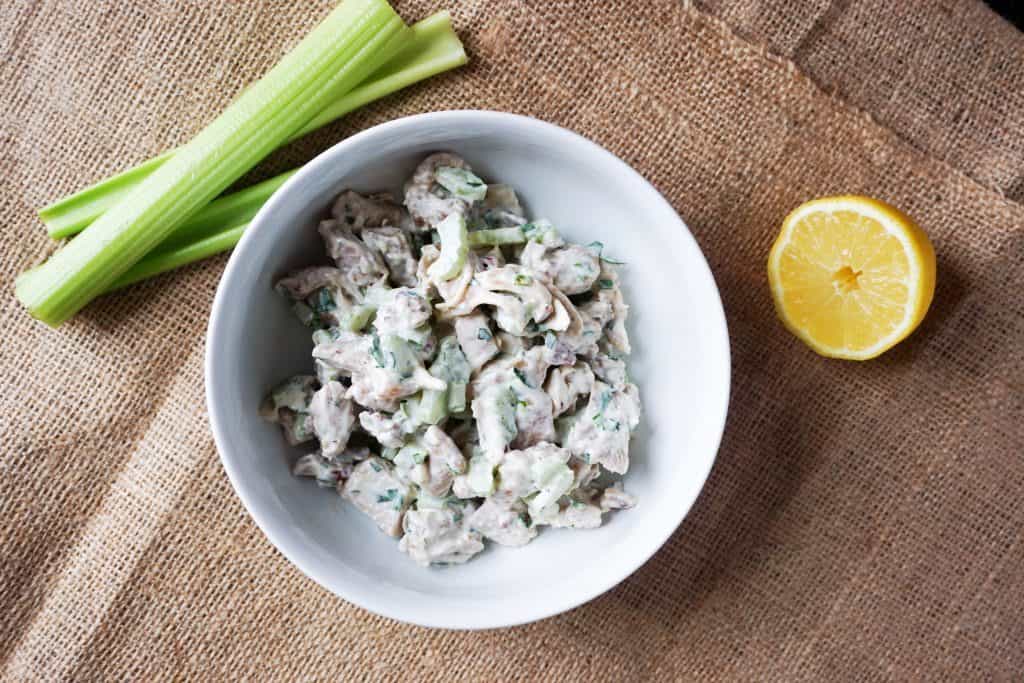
{"x":523,"y":280}
{"x":322,"y":301}
{"x":524,"y":517}
{"x":375,"y":351}
{"x":578,"y":505}
{"x":598,"y":247}
{"x":508,"y":417}
{"x":388,"y":496}
{"x":375,"y":466}
{"x":605,"y":284}
{"x":419,"y":457}
{"x":603,"y":423}
{"x":521,"y":375}
{"x":484,"y":334}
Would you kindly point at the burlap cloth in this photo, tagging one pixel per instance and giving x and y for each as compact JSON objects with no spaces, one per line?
{"x":863,"y":521}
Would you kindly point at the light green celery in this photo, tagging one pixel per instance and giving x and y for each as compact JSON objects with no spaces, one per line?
{"x":355,"y":39}
{"x":161,"y":261}
{"x":71,"y":214}
{"x":215,"y":229}
{"x":433,"y":48}
{"x":496,"y":237}
{"x":226,"y":211}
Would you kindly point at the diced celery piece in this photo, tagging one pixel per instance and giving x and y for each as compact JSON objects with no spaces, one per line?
{"x":456,"y":397}
{"x":480,"y":475}
{"x":496,"y":237}
{"x":553,"y":478}
{"x":461,"y":183}
{"x":432,"y":407}
{"x":356,"y":319}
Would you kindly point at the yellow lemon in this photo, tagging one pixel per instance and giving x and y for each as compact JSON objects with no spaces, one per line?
{"x":851,"y":276}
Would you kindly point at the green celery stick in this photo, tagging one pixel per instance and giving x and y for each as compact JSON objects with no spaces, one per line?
{"x":71,"y":214}
{"x":161,"y":261}
{"x":496,"y":237}
{"x":227,"y":210}
{"x":433,"y":48}
{"x":355,"y":39}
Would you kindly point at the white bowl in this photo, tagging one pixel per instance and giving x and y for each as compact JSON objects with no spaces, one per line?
{"x":680,"y":362}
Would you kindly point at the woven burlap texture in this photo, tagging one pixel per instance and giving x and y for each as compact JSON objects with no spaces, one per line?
{"x":862,"y":521}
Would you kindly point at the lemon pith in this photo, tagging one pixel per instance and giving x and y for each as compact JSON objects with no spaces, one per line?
{"x":851,"y":276}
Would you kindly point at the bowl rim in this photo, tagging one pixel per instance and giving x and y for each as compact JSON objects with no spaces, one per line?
{"x":282,"y":542}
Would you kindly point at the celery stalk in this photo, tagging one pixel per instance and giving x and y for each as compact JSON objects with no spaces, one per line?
{"x":227,"y":210}
{"x":215,"y":229}
{"x":163,"y":260}
{"x":356,"y":38}
{"x":433,"y":48}
{"x":71,"y":214}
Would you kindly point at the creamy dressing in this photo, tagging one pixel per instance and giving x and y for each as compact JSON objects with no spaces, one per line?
{"x":461,"y":393}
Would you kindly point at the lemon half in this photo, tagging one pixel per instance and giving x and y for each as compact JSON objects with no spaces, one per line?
{"x":851,"y":276}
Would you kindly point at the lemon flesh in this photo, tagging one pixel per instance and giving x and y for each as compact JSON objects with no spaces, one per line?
{"x":851,"y":276}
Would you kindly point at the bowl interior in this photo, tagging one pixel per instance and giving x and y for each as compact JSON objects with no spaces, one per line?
{"x":680,"y":362}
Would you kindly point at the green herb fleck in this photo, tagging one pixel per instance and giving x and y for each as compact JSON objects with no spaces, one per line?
{"x":389,"y":496}
{"x":523,"y":280}
{"x":605,"y":284}
{"x":375,"y":351}
{"x":322,"y":301}
{"x":375,"y":466}
{"x":484,"y":334}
